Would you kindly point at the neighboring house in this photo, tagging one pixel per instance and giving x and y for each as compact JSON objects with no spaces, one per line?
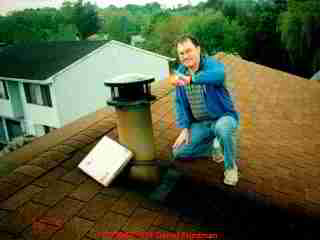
{"x":44,"y":86}
{"x":316,"y":76}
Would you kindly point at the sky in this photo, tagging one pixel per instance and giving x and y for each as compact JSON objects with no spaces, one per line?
{"x":9,"y":5}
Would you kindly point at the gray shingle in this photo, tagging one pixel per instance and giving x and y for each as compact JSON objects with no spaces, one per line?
{"x":39,"y":61}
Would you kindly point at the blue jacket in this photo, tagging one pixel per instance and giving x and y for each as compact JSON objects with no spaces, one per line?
{"x":217,"y":98}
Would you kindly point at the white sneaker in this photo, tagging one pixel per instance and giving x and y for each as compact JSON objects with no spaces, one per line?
{"x":231,"y":176}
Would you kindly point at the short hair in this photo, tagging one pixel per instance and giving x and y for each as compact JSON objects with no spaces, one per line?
{"x":185,"y":37}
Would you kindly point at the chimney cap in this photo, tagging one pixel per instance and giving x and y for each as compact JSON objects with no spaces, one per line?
{"x":131,"y":89}
{"x":129,"y":78}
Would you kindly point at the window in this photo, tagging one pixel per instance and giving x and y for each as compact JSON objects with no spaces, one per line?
{"x":14,"y":129}
{"x":38,"y":94}
{"x":46,"y":97}
{"x":2,"y":131}
{"x":46,"y":129}
{"x":41,"y":130}
{"x":3,"y":90}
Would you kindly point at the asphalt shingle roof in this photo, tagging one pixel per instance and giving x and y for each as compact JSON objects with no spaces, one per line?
{"x":39,"y":61}
{"x":278,"y":144}
{"x":48,"y":197}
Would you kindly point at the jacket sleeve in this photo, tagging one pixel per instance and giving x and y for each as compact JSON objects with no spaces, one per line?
{"x":212,"y":73}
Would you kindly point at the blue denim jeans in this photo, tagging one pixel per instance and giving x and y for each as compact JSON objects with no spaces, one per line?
{"x":202,"y":136}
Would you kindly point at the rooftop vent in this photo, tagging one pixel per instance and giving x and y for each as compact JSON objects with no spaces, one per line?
{"x":131,"y":97}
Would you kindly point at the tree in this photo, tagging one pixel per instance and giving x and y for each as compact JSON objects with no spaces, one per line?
{"x":215,"y":4}
{"x":155,"y":19}
{"x":282,"y":5}
{"x":300,"y":32}
{"x":86,"y":19}
{"x":31,"y":25}
{"x":67,"y":11}
{"x":147,"y":9}
{"x":120,"y":27}
{"x":217,"y":33}
{"x":6,"y":30}
{"x":153,"y":7}
{"x":264,"y":41}
{"x":230,"y":9}
{"x":164,"y":33}
{"x":133,"y":8}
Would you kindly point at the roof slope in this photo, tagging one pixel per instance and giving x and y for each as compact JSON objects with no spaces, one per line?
{"x":278,"y":144}
{"x":48,"y":197}
{"x":39,"y":61}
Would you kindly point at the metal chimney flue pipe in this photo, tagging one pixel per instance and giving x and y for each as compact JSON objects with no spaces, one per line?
{"x":131,"y":97}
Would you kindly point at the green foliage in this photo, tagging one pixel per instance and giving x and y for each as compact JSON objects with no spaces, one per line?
{"x":163,"y":32}
{"x":214,"y":4}
{"x":283,"y":34}
{"x":121,"y":23}
{"x":155,"y":19}
{"x":282,"y":5}
{"x":230,"y":9}
{"x":259,"y":20}
{"x":86,"y":19}
{"x":147,"y":9}
{"x":300,"y":32}
{"x":32,"y":25}
{"x":120,"y":28}
{"x":67,"y":11}
{"x":65,"y":33}
{"x":217,"y":33}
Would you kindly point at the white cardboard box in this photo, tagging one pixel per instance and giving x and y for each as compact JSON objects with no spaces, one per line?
{"x":105,"y":161}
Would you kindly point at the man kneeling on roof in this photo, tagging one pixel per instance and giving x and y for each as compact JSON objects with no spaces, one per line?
{"x":204,"y":108}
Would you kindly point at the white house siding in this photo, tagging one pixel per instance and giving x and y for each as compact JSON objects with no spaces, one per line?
{"x":42,"y":115}
{"x":36,"y":115}
{"x":80,"y":90}
{"x":128,"y":60}
{"x":76,"y":100}
{"x":316,"y":76}
{"x":6,"y":108}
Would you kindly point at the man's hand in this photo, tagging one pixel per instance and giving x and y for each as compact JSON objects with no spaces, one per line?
{"x":183,"y":138}
{"x":179,"y":80}
{"x":187,"y":79}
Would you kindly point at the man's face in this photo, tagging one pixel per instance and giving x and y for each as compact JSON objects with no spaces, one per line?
{"x":189,"y":54}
